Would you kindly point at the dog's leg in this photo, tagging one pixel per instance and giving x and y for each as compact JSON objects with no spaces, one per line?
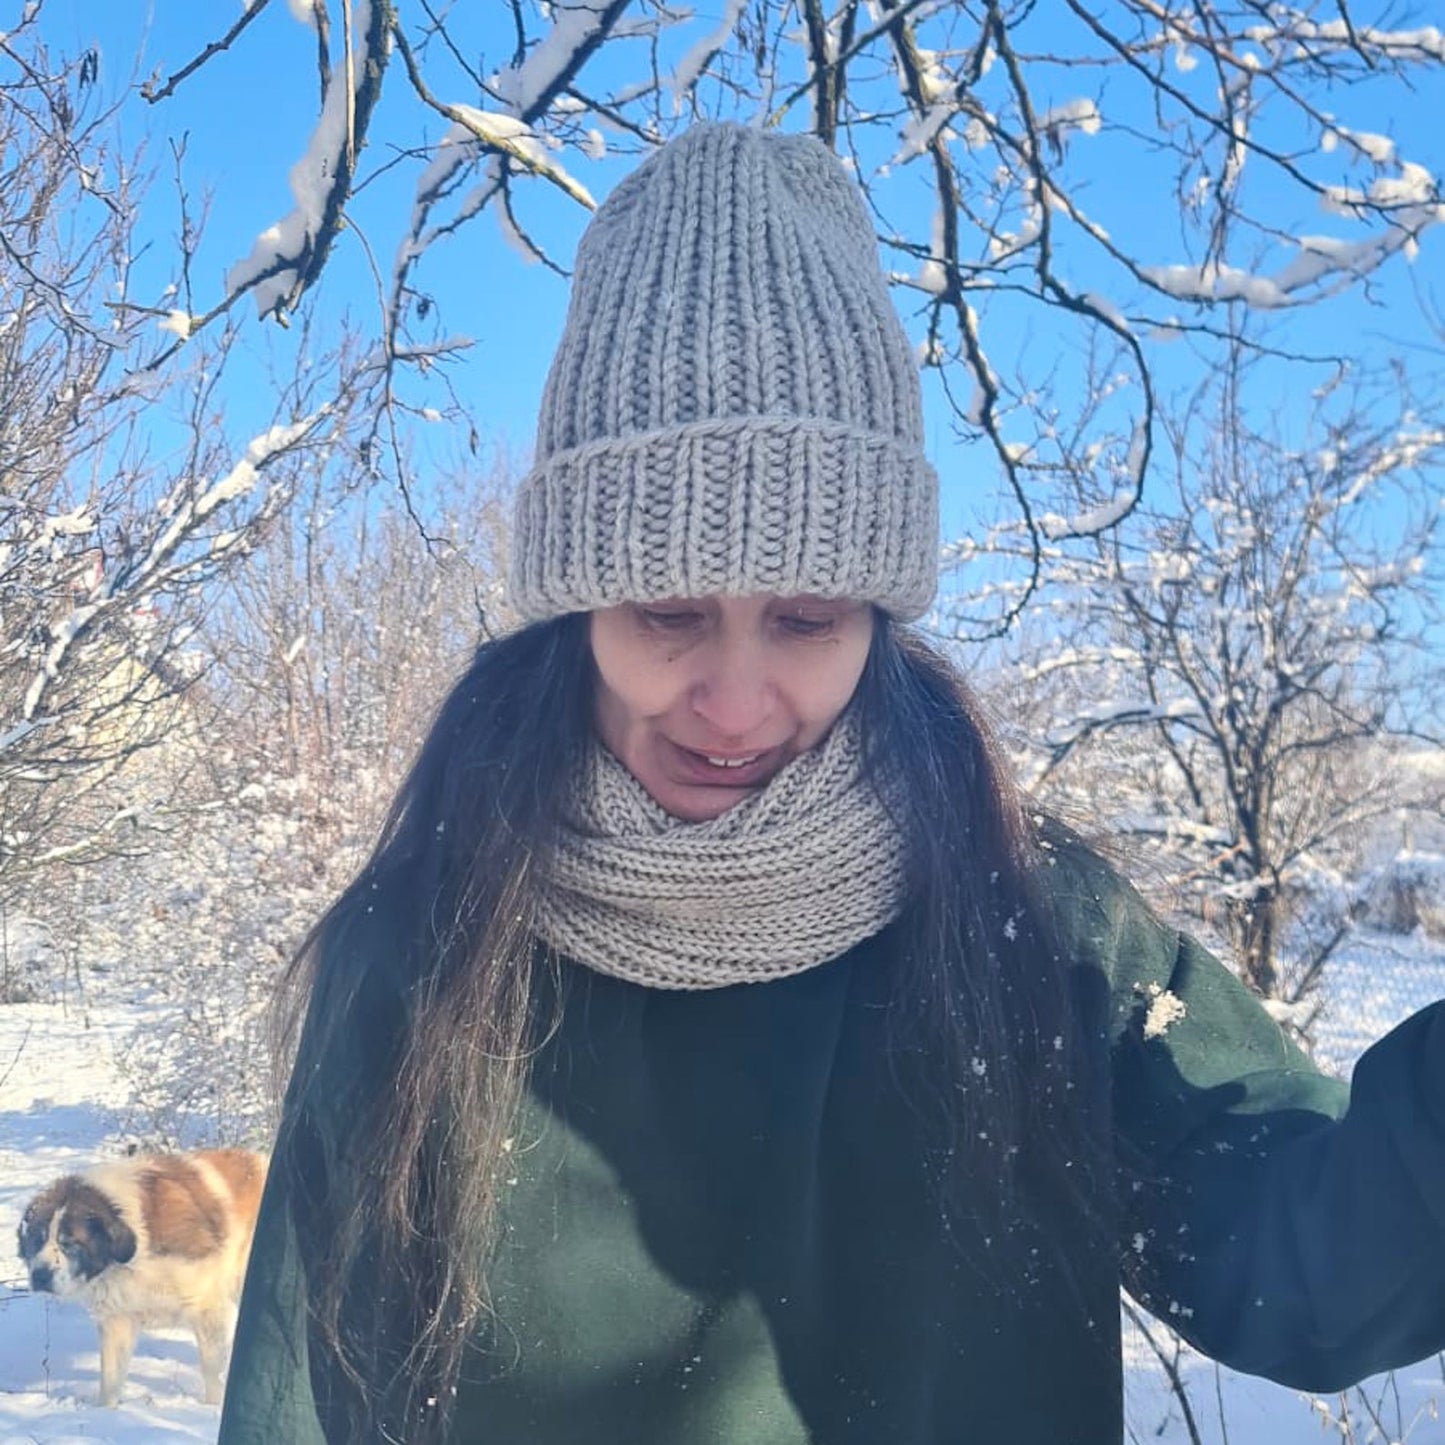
{"x":213,"y":1342}
{"x":117,"y":1344}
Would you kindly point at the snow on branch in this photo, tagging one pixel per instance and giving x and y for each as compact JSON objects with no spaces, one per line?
{"x":503,"y":139}
{"x":1108,"y":514}
{"x":1408,"y":450}
{"x":288,"y":256}
{"x":18,"y":732}
{"x":696,"y":60}
{"x":1411,"y":204}
{"x":1425,"y":43}
{"x":474,"y":133}
{"x":526,"y":89}
{"x":1128,"y":712}
{"x":183,"y":514}
{"x":578,"y":28}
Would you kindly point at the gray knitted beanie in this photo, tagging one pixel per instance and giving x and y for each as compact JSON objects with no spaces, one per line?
{"x":733,"y":407}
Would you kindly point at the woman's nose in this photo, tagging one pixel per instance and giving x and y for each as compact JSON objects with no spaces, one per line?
{"x":733,"y":692}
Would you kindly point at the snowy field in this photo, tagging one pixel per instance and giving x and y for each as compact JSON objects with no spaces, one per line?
{"x":63,"y":1103}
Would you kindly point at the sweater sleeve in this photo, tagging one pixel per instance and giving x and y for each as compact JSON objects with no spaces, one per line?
{"x":268,"y":1390}
{"x":1284,"y":1223}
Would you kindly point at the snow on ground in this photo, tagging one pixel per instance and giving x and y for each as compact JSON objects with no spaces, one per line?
{"x":63,"y":1103}
{"x":1231,"y":1409}
{"x":1374,"y":981}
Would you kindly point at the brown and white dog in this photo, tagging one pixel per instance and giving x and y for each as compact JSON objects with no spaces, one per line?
{"x":151,"y":1241}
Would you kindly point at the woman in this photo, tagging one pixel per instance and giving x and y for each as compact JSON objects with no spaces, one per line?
{"x":713,"y":1050}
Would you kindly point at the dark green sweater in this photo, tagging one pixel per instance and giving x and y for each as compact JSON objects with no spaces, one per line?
{"x":721,"y":1231}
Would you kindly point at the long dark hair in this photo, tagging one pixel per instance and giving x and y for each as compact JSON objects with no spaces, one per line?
{"x":983,"y":991}
{"x":394,"y":1176}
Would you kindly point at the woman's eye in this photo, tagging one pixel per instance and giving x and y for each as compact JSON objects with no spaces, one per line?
{"x":669,"y":620}
{"x":801,"y":625}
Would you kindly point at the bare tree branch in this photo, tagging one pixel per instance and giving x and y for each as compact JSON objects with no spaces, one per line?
{"x":154,"y":93}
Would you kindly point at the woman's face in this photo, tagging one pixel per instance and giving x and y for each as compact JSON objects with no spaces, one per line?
{"x":704,"y":699}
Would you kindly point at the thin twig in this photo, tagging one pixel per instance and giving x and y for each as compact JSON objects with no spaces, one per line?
{"x":1170,"y":1366}
{"x":350,"y":62}
{"x":150,"y":93}
{"x":323,"y":46}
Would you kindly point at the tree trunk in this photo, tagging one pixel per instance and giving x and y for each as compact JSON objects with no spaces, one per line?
{"x":1257,"y":922}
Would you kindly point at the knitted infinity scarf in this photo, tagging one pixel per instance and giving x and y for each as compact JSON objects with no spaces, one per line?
{"x":790,"y":877}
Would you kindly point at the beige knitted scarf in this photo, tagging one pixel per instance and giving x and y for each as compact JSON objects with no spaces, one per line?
{"x":790,"y":877}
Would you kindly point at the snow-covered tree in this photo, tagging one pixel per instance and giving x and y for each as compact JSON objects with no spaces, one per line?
{"x":325,"y":661}
{"x":1007,"y":149}
{"x":336,"y":642}
{"x":1233,"y":666}
{"x":124,"y":493}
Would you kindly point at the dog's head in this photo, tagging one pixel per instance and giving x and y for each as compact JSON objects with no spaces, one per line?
{"x":70,"y":1233}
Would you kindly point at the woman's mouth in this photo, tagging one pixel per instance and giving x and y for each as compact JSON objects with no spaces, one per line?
{"x":721,"y":769}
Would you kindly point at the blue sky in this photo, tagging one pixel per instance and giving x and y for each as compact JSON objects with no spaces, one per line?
{"x":244,"y":119}
{"x":245,"y":116}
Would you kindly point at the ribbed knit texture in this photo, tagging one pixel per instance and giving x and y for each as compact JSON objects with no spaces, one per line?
{"x":790,"y":877}
{"x":734,"y":407}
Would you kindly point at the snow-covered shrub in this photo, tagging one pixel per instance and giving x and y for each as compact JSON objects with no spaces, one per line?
{"x":27,"y":956}
{"x":1406,"y":893}
{"x":323,"y":675}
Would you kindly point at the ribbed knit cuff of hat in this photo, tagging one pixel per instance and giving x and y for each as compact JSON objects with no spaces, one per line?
{"x":730,"y":506}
